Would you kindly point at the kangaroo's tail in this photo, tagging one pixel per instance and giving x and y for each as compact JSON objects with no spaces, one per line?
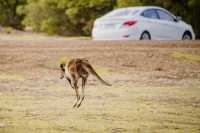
{"x":91,"y":70}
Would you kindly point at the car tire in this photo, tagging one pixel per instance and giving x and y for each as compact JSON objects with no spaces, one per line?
{"x":145,"y":36}
{"x":187,"y":36}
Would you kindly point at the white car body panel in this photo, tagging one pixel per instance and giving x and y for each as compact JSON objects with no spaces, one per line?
{"x":111,"y":27}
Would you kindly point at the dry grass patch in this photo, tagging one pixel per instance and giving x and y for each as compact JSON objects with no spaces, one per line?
{"x":192,"y":58}
{"x":119,"y":108}
{"x":12,"y":77}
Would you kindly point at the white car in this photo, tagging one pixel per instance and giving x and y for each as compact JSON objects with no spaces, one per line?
{"x":141,"y":23}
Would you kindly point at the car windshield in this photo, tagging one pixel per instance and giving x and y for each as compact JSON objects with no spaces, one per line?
{"x":121,"y":13}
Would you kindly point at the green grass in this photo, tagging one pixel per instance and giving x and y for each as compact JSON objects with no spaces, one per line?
{"x":192,"y":58}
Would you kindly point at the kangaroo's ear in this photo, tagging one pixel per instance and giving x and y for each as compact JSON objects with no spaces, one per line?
{"x":62,"y":61}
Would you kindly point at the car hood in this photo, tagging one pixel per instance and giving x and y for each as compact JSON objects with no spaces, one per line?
{"x":185,"y":24}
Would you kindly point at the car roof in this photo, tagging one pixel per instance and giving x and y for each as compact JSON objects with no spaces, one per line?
{"x":140,"y":7}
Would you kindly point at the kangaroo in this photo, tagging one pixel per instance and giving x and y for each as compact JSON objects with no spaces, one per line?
{"x":78,"y":69}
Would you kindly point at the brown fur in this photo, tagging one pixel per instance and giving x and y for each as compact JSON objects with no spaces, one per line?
{"x":79,"y":69}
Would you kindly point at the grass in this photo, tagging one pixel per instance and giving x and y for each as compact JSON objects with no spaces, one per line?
{"x":43,"y":104}
{"x":102,"y":71}
{"x":118,"y":109}
{"x":12,"y":77}
{"x":46,"y":106}
{"x":192,"y":58}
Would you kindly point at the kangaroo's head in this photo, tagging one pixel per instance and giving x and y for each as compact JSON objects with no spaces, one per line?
{"x":62,"y":70}
{"x":63,"y":74}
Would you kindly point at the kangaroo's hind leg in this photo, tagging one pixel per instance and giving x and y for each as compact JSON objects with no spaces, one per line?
{"x":84,"y":80}
{"x":76,"y":91}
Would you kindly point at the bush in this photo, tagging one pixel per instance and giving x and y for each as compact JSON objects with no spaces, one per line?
{"x":7,"y":30}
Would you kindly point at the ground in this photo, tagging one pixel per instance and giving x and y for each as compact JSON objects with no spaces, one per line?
{"x":155,"y":86}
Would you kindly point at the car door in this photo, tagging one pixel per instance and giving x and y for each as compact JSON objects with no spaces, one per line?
{"x":169,"y":27}
{"x":150,"y":23}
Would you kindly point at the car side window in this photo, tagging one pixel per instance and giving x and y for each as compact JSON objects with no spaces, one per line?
{"x":165,"y":16}
{"x":150,"y":13}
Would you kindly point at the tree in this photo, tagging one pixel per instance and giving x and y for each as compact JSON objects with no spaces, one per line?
{"x":65,"y":17}
{"x":8,"y":13}
{"x":83,"y":12}
{"x":127,"y":3}
{"x":76,"y":17}
{"x":193,"y":15}
{"x":46,"y":16}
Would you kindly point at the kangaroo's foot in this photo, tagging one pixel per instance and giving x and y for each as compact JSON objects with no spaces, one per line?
{"x":74,"y":105}
{"x":80,"y":102}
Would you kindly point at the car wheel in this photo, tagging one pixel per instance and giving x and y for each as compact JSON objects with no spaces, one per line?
{"x":187,"y":36}
{"x":145,"y":36}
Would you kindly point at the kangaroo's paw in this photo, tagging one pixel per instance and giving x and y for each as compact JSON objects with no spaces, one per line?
{"x":78,"y":105}
{"x":74,"y":105}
